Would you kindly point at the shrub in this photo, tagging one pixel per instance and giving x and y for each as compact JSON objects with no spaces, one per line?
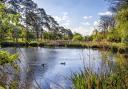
{"x":78,"y":37}
{"x":6,"y":57}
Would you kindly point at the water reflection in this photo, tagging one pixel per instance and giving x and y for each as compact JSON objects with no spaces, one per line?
{"x":50,"y":68}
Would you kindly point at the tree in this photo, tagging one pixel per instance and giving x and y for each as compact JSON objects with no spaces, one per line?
{"x":121,"y":8}
{"x":106,"y":22}
{"x":77,"y":37}
{"x":122,"y":24}
{"x":118,"y":4}
{"x":35,"y":20}
{"x":8,"y":21}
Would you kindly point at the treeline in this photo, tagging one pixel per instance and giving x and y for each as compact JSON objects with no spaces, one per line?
{"x":22,"y":20}
{"x":113,"y":28}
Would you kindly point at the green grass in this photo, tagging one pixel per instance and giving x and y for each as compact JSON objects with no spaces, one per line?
{"x":115,"y":47}
{"x":2,"y":87}
{"x":116,"y":79}
{"x":90,"y":80}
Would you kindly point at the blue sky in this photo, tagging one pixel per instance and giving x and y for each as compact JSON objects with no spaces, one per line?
{"x":78,"y":15}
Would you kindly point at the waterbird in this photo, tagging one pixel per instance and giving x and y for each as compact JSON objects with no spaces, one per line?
{"x":62,"y":63}
{"x":43,"y":65}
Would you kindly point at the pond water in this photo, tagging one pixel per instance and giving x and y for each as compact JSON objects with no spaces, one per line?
{"x":51,"y":68}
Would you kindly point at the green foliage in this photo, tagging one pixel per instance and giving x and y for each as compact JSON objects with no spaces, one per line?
{"x":78,"y":37}
{"x":113,"y":36}
{"x":116,"y":79}
{"x":122,"y":24}
{"x":13,"y":85}
{"x":6,"y":57}
{"x":8,"y":22}
{"x":2,"y":87}
{"x":11,"y":28}
{"x":114,"y":28}
{"x":31,"y":36}
{"x":51,"y":36}
{"x":98,"y":37}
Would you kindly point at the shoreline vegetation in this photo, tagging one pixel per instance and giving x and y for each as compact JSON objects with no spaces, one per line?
{"x":117,"y":78}
{"x":34,"y":28}
{"x":114,"y":47}
{"x":114,"y":77}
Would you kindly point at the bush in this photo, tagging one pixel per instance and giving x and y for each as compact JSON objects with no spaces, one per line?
{"x":6,"y":57}
{"x":78,"y":37}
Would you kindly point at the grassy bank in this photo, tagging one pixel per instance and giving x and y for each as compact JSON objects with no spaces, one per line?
{"x":117,"y":78}
{"x":90,"y":80}
{"x":115,"y":47}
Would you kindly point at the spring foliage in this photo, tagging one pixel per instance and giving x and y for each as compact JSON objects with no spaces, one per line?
{"x":6,"y":57}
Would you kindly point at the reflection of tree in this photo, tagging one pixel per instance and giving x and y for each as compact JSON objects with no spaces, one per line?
{"x":34,"y":58}
{"x":107,"y":62}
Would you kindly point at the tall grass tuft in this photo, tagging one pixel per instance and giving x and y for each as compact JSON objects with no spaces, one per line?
{"x":116,"y":79}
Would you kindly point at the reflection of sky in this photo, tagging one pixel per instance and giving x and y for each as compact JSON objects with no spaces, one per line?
{"x":55,"y":74}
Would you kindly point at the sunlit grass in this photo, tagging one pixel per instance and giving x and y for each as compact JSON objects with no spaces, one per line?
{"x":116,"y":79}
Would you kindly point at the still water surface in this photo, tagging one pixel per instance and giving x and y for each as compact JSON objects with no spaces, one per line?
{"x":51,"y":68}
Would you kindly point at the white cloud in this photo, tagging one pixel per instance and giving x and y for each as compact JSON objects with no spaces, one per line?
{"x":105,"y":13}
{"x":83,"y":30}
{"x":63,"y":20}
{"x":96,"y":23}
{"x":57,"y":18}
{"x":86,"y":23}
{"x":87,"y":17}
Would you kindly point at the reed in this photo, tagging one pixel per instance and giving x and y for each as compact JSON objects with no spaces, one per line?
{"x":117,"y":78}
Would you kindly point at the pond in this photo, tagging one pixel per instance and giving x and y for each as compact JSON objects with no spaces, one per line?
{"x":51,"y":68}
